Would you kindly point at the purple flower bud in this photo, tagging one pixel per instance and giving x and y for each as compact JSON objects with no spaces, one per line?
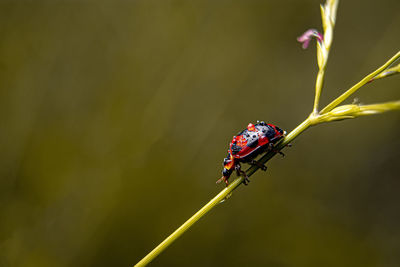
{"x":308,"y":35}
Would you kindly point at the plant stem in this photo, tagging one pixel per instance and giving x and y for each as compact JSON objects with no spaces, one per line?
{"x":318,"y":88}
{"x":366,"y":79}
{"x":178,"y":232}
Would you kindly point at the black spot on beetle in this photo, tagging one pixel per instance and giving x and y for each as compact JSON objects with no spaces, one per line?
{"x":279,"y":129}
{"x":252,"y":143}
{"x":269,"y":131}
{"x":235,"y":149}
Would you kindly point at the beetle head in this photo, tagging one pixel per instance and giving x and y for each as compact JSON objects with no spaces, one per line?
{"x":229,"y":162}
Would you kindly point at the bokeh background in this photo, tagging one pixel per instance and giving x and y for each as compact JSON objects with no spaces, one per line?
{"x":116,"y":115}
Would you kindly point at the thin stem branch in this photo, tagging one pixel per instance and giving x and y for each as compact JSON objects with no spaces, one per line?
{"x":318,"y":88}
{"x":178,"y":232}
{"x":386,"y":73}
{"x":383,"y":107}
{"x":358,"y":85}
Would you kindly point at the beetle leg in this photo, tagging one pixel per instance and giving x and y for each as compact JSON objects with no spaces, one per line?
{"x":239,"y":172}
{"x":258,"y":164}
{"x":246,"y":180}
{"x":272,"y":148}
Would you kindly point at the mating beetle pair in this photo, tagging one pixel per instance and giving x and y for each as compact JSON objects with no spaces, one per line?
{"x":247,"y":145}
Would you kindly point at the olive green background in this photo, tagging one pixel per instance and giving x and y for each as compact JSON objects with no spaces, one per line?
{"x":115,"y":117}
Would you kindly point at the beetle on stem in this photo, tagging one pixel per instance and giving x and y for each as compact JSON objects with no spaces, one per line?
{"x":247,"y":145}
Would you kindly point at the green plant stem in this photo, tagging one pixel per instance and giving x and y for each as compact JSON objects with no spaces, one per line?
{"x":318,"y":88}
{"x":393,"y":105}
{"x":353,"y":89}
{"x":221,"y":196}
{"x":178,"y":232}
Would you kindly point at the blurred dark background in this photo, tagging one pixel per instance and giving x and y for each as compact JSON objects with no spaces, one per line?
{"x":116,"y":116}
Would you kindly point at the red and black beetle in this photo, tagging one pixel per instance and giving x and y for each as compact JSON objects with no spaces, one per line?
{"x":247,"y":145}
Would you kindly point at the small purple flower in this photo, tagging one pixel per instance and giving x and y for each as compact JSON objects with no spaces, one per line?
{"x":308,"y":35}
